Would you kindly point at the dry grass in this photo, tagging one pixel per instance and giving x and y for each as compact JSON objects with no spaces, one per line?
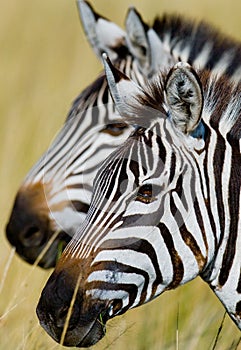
{"x":45,"y":62}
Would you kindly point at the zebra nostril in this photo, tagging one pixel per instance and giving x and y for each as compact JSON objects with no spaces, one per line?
{"x":32,"y":237}
{"x":62,"y":317}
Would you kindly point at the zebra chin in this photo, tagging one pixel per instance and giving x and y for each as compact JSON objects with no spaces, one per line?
{"x":70,"y":315}
{"x":82,"y":335}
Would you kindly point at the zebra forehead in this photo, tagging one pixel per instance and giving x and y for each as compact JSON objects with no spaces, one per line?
{"x":92,"y":91}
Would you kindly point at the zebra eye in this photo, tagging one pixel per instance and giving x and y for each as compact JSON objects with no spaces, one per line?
{"x":145,"y":194}
{"x":114,"y":129}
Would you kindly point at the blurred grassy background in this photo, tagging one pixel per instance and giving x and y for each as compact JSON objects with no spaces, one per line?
{"x":45,"y":62}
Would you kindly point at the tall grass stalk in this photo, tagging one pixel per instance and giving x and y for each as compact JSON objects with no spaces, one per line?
{"x":218,"y":332}
{"x":5,"y":271}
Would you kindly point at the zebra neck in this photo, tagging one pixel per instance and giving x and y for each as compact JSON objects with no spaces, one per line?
{"x":222,"y":177}
{"x":224,"y":273}
{"x":225,"y":277}
{"x":214,"y":205}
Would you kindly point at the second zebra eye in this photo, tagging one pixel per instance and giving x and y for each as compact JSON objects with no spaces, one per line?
{"x":145,"y":194}
{"x":114,"y":129}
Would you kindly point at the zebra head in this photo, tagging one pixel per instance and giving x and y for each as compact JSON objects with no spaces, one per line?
{"x":55,"y":195}
{"x":144,"y":232}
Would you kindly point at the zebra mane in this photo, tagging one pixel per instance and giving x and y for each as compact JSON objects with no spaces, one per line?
{"x":222,"y":104}
{"x":180,"y":31}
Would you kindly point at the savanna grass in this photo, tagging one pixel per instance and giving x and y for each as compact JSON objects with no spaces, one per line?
{"x":45,"y":63}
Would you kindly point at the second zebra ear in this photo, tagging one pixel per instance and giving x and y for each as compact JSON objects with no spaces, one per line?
{"x":184,"y":97}
{"x":103,"y":35}
{"x":145,"y":45}
{"x":137,"y":40}
{"x":123,"y":90}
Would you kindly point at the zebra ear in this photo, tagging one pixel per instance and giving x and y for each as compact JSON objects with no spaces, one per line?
{"x":184,"y":97}
{"x":103,"y":35}
{"x":123,"y":90}
{"x":145,"y":45}
{"x":137,"y":39}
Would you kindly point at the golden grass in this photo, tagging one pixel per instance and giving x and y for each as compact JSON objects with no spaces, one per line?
{"x":45,"y":62}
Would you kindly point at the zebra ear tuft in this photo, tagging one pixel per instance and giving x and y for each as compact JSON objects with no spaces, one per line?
{"x":184,"y":97}
{"x":103,"y":35}
{"x":123,"y":90}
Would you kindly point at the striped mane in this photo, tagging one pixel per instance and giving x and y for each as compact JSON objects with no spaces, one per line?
{"x":192,"y":42}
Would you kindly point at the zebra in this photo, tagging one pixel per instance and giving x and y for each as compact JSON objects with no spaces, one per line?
{"x":52,"y":197}
{"x":165,"y":206}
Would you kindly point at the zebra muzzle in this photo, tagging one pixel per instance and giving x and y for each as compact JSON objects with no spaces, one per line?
{"x":69,"y":315}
